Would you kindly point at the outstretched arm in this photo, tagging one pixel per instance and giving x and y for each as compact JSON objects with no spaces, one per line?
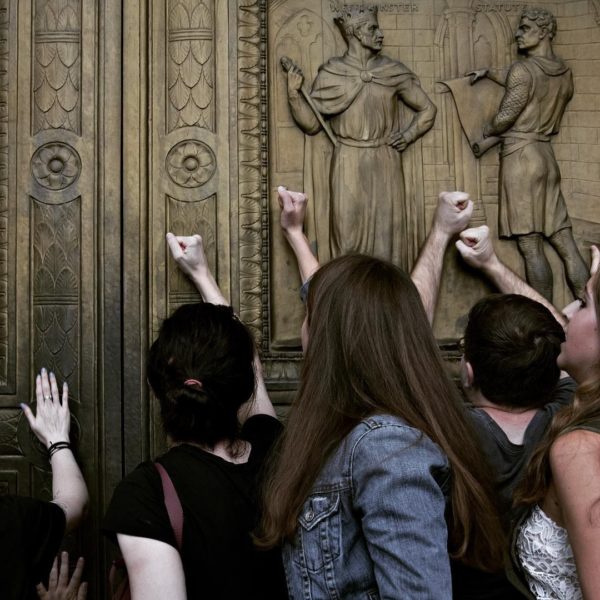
{"x":51,"y":425}
{"x":293,"y":209}
{"x":574,"y":461}
{"x":477,"y":250}
{"x":301,"y":111}
{"x":188,"y":252}
{"x":516,"y":97}
{"x":154,"y":568}
{"x":498,"y":75}
{"x":452,"y":215}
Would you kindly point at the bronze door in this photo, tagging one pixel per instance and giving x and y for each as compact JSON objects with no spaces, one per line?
{"x":115,"y":120}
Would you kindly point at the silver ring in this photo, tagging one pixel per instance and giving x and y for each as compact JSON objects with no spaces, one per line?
{"x":49,"y":398}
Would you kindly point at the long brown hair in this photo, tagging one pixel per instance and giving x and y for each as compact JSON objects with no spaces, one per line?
{"x":585,"y":408}
{"x":370,"y":351}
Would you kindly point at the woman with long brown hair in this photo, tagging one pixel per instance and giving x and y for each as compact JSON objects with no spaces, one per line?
{"x":558,"y":543}
{"x":378,"y":477}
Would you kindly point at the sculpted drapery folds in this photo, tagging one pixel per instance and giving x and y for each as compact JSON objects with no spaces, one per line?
{"x":358,"y":96}
{"x":531,"y":204}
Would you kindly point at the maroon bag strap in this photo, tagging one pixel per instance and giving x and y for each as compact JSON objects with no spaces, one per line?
{"x":173,"y":505}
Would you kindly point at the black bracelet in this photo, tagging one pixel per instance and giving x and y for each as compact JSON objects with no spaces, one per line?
{"x":56,"y":447}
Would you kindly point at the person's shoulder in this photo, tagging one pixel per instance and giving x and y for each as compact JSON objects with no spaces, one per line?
{"x":574,"y":446}
{"x":144,"y":477}
{"x":33,"y":519}
{"x":26,"y":507}
{"x":391,"y":430}
{"x":562,"y":396}
{"x":260,"y":426}
{"x":336,"y":65}
{"x":383,"y":60}
{"x":262,"y":431}
{"x":520,"y":71}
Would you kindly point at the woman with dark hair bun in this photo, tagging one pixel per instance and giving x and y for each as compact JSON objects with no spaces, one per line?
{"x":220,"y":427}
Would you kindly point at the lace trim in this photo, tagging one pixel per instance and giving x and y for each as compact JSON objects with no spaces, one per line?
{"x":547,"y":558}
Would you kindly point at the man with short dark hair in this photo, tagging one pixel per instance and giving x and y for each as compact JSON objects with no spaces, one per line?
{"x":510,"y":377}
{"x":508,"y":373}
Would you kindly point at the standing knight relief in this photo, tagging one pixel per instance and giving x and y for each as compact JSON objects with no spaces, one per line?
{"x":354,"y":98}
{"x":531,"y":205}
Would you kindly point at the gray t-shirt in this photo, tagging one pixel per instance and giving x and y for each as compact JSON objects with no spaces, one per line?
{"x":508,"y":460}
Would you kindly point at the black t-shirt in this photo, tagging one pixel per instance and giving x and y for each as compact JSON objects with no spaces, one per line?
{"x":31,"y":532}
{"x":507,"y":461}
{"x":220,"y":508}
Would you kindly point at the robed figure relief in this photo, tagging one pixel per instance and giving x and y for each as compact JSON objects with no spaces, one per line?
{"x":537,"y":89}
{"x":355,"y":100}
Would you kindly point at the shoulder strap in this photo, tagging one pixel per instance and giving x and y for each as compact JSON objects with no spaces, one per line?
{"x":173,"y":505}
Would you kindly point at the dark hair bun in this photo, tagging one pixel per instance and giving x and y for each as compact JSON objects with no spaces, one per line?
{"x":207,"y":343}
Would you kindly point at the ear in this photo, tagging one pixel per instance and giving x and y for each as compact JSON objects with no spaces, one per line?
{"x":466,"y":374}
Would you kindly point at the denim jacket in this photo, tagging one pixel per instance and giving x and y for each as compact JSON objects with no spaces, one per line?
{"x":374,"y":524}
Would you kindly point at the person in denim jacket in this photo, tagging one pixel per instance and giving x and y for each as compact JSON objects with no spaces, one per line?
{"x":378,"y":478}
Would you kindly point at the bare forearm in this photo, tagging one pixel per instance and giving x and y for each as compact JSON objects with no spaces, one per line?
{"x":69,"y":490}
{"x":209,"y":289}
{"x":427,"y":272}
{"x":307,"y":262}
{"x":260,"y":403}
{"x":508,"y":282}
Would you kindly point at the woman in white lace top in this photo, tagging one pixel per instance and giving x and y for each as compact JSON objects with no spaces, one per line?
{"x":558,"y":544}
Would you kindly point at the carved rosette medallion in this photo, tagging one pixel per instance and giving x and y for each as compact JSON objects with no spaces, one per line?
{"x":191,"y":163}
{"x":55,"y":166}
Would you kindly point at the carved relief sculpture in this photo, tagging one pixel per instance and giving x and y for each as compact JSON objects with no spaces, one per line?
{"x":57,"y":65}
{"x":531,"y":205}
{"x":190,"y":65}
{"x":5,"y":284}
{"x":354,"y":98}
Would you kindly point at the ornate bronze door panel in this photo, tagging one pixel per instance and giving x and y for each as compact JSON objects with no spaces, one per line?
{"x":60,"y":221}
